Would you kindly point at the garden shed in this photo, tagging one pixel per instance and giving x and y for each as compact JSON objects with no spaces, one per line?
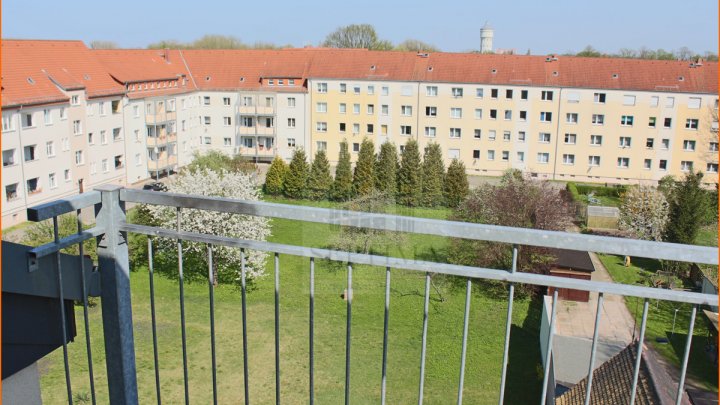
{"x":602,"y":217}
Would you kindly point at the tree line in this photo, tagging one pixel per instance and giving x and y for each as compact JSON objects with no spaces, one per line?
{"x":408,"y":179}
{"x":683,"y":53}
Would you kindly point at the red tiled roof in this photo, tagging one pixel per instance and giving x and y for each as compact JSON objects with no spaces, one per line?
{"x":68,"y":64}
{"x":142,"y":65}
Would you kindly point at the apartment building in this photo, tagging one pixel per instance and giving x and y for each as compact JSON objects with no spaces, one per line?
{"x":75,"y":118}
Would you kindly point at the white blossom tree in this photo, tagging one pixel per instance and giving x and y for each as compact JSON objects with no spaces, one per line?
{"x":644,"y":212}
{"x":226,"y":260}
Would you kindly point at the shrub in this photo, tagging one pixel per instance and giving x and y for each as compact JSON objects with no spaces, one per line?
{"x":295,"y":184}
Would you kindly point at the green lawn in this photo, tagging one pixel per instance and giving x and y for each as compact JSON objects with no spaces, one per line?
{"x":708,"y":236}
{"x":660,"y":320}
{"x":486,"y":334}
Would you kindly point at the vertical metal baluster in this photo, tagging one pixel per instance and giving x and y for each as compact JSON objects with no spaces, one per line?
{"x":383,"y":389}
{"x":551,"y":331}
{"x":211,"y":287}
{"x":277,"y":329}
{"x":508,"y":326}
{"x":182,"y":312}
{"x":593,"y":349}
{"x":464,"y":340}
{"x":68,"y":384}
{"x":636,"y":373}
{"x":312,"y":330}
{"x":686,"y":356}
{"x":243,"y":279}
{"x":151,"y":275}
{"x":83,"y":280}
{"x":348,"y":297}
{"x":424,"y":337}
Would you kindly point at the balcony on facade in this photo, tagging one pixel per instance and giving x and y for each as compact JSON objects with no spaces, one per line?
{"x":159,"y":135}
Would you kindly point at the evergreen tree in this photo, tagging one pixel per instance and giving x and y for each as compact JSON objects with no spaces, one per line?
{"x":433,"y":171}
{"x":688,"y":207}
{"x":410,"y":176}
{"x":295,"y":185}
{"x":320,"y":179}
{"x":364,"y":177}
{"x":276,"y":176}
{"x":342,"y":186}
{"x":456,"y":184}
{"x":386,"y":168}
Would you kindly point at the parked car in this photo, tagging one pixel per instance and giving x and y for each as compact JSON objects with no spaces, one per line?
{"x":156,"y":186}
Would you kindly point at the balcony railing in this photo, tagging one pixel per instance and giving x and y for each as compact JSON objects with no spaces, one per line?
{"x":112,"y":249}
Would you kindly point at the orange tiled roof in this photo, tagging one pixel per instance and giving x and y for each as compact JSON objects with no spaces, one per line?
{"x":51,"y":64}
{"x":141,"y":65}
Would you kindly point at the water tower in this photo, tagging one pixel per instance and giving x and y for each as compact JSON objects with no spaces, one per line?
{"x":486,"y":38}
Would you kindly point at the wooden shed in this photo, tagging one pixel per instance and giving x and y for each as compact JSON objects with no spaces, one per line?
{"x":571,"y":264}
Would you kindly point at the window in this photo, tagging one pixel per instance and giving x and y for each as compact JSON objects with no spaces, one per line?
{"x":626,"y":120}
{"x":491,"y":155}
{"x":370,"y":128}
{"x":8,"y":157}
{"x":248,"y":101}
{"x":596,"y":140}
{"x":431,"y":111}
{"x":50,"y":148}
{"x":29,"y":153}
{"x":8,"y":124}
{"x":478,"y":113}
{"x":457,"y":92}
{"x":523,"y":95}
{"x":476,"y":154}
{"x":371,"y":109}
{"x":74,"y":100}
{"x":623,"y":162}
{"x":452,"y":153}
{"x":355,"y":147}
{"x":356,"y":90}
{"x":598,"y":119}
{"x":343,"y":108}
{"x":117,"y":134}
{"x":521,"y":136}
{"x":226,"y":100}
{"x":342,"y":127}
{"x":322,"y":87}
{"x":291,"y":101}
{"x":686,"y":166}
{"x":138,"y":159}
{"x":247,"y":121}
{"x":371,"y":90}
{"x":493,"y":93}
{"x":628,"y":100}
{"x":268,"y":101}
{"x":33,"y":186}
{"x":570,"y":139}
{"x":520,"y":156}
{"x":321,"y":107}
{"x":455,"y":132}
{"x":356,"y":108}
{"x":104,"y":166}
{"x":343,"y":88}
{"x":543,"y":157}
{"x":647,"y":164}
{"x":405,"y":130}
{"x":27,"y":120}
{"x":662,"y":165}
{"x":227,"y":141}
{"x":545,"y":116}
{"x":206,"y":100}
{"x":694,"y":103}
{"x":321,"y":145}
{"x":573,"y":97}
{"x":571,"y":118}
{"x":625,"y":141}
{"x":689,"y":146}
{"x":77,"y":127}
{"x":713,"y":146}
{"x":63,"y":113}
{"x":669,"y":102}
{"x":455,"y":112}
{"x":654,"y":101}
{"x":667,"y":123}
{"x":430,"y":131}
{"x":385,"y":90}
{"x":568,"y":159}
{"x":691,"y":123}
{"x":479,"y":92}
{"x":431,"y":91}
{"x":356,"y":128}
{"x":384,"y":109}
{"x":291,"y":122}
{"x":52,"y":182}
{"x":383,"y":129}
{"x":477,"y":134}
{"x":506,"y":136}
{"x":493,"y":114}
{"x":47,"y":117}
{"x":406,"y":110}
{"x":508,"y":115}
{"x":67,"y":175}
{"x":321,"y":126}
{"x":649,"y":143}
{"x":508,"y":94}
{"x":712,"y":168}
{"x":599,"y":98}
{"x":544,"y":137}
{"x":291,"y":142}
{"x":593,"y":160}
{"x":79,"y":159}
{"x":665,"y":144}
{"x":523,"y":115}
{"x":546,"y":95}
{"x":652,"y":122}
{"x":206,"y":120}
{"x":492,"y":135}
{"x":208,"y":141}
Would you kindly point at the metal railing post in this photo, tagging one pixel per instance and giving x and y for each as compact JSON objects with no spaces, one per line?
{"x":112,"y":251}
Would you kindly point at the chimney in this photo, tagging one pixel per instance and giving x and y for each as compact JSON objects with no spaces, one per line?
{"x":166,"y":55}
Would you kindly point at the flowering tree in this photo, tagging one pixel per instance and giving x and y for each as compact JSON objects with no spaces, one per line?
{"x":226,"y":260}
{"x":644,"y":212}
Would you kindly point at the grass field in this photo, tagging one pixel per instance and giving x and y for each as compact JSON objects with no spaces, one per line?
{"x":660,"y":319}
{"x":485,"y":342}
{"x":708,"y":236}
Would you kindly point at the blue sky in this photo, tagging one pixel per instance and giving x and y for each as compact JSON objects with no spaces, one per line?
{"x":541,"y":26}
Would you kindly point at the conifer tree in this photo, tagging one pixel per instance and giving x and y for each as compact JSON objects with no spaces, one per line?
{"x":295,"y":185}
{"x":342,"y":186}
{"x":320,"y":180}
{"x":433,"y":171}
{"x":456,"y":184}
{"x":386,"y":168}
{"x":276,"y":176}
{"x":410,"y":176}
{"x":364,"y":177}
{"x":688,"y":206}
